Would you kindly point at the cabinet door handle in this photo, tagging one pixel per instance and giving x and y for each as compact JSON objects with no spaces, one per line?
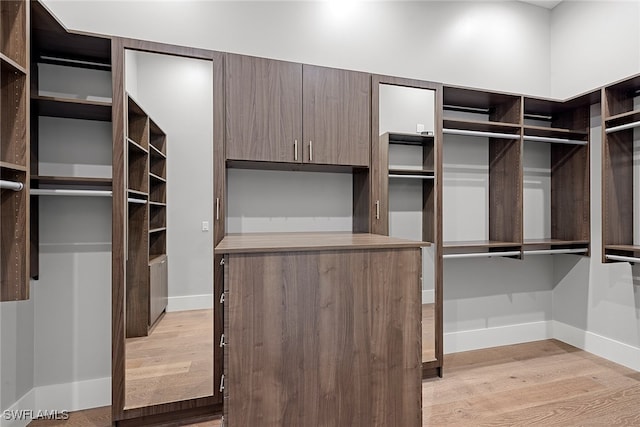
{"x":222,"y":383}
{"x":217,"y":209}
{"x":295,"y":150}
{"x":311,"y":151}
{"x":222,"y":298}
{"x":222,"y":343}
{"x":377,"y":209}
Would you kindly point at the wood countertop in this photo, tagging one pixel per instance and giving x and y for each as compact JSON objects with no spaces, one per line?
{"x":294,"y":242}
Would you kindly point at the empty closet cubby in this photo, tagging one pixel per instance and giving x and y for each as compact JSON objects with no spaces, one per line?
{"x":14,"y":153}
{"x":482,"y":167}
{"x":621,"y":118}
{"x":556,"y":175}
{"x":138,"y":149}
{"x":71,"y":135}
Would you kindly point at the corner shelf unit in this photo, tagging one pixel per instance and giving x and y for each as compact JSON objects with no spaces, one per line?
{"x":620,"y":116}
{"x":471,"y":113}
{"x":147,"y":284}
{"x":559,"y":131}
{"x":14,"y":152}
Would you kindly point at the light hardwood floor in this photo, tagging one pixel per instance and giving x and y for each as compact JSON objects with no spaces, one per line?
{"x":175,"y":362}
{"x":428,"y":332}
{"x":543,"y":383}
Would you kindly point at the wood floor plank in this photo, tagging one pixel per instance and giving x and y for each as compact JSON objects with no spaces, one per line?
{"x":544,"y":383}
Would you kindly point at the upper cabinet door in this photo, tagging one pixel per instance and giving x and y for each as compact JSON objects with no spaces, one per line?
{"x":264,"y":109}
{"x":336,"y":116}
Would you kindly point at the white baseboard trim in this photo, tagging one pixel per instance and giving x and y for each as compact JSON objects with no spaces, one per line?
{"x":190,"y":302}
{"x":16,"y":411}
{"x":49,"y":399}
{"x":74,"y":396}
{"x":615,"y":351}
{"x":428,"y":297}
{"x":455,"y":342}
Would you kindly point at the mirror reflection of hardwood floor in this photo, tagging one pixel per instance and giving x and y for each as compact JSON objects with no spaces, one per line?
{"x":543,"y":383}
{"x":428,"y":332}
{"x":175,"y":362}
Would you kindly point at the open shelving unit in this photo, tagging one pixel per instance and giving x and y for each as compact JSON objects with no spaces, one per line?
{"x":14,"y":153}
{"x":70,"y":82}
{"x":147,"y":284}
{"x":621,"y":117}
{"x":557,"y":133}
{"x":495,"y":118}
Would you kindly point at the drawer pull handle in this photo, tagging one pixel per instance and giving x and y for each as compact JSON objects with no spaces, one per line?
{"x":222,"y":383}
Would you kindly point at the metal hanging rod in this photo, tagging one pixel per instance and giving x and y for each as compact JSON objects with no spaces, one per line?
{"x":622,"y":258}
{"x":463,"y":109}
{"x":75,"y":61}
{"x":136,"y":201}
{"x":538,"y":117}
{"x":556,"y":251}
{"x":481,"y":255}
{"x":11,"y":185}
{"x":554,"y":140}
{"x":623,"y":127}
{"x":464,"y":132}
{"x":58,"y":192}
{"x":393,"y":175}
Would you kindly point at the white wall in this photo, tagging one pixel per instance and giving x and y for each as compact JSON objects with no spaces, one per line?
{"x":16,"y":351}
{"x":593,"y":43}
{"x":497,"y":45}
{"x":178,"y":95}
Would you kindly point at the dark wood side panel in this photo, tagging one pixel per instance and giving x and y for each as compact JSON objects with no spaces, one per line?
{"x":361,"y":193}
{"x":137,"y":299}
{"x":118,"y":238}
{"x":508,"y":111}
{"x":318,"y":349}
{"x":264,"y":109}
{"x":570,"y":192}
{"x":618,"y":188}
{"x":505,"y":190}
{"x":336,"y":116}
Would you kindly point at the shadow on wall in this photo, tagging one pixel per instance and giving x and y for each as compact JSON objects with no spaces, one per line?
{"x":571,"y":278}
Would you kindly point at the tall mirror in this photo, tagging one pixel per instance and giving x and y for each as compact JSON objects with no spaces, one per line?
{"x":407,"y":129}
{"x":168,"y":309}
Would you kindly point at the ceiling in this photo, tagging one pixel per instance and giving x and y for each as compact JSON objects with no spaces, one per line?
{"x":548,"y":4}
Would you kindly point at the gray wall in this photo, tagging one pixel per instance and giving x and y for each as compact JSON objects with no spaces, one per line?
{"x":502,"y":45}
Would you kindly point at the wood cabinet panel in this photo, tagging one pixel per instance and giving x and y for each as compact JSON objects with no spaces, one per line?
{"x":330,"y":336}
{"x":264,"y":109}
{"x":336,"y":116}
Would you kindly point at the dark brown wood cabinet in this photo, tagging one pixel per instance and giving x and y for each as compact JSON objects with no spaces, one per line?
{"x":14,"y":152}
{"x":336,"y":116}
{"x":334,"y":323}
{"x":286,"y":112}
{"x":264,"y":109}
